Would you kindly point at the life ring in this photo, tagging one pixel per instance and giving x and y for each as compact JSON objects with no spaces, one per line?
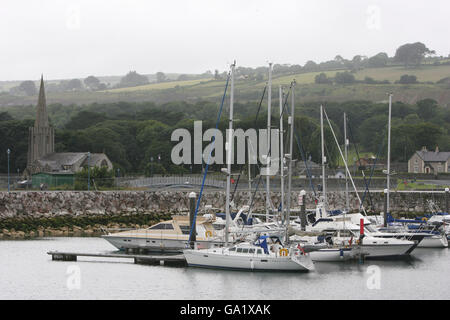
{"x":284,"y":252}
{"x":424,"y":219}
{"x":208,"y":234}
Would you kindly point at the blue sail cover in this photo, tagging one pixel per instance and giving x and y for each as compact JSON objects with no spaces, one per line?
{"x":391,"y":219}
{"x":334,"y":212}
{"x":262,"y":242}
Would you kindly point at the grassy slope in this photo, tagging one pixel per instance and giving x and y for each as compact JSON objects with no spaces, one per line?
{"x":159,"y":86}
{"x":192,"y":90}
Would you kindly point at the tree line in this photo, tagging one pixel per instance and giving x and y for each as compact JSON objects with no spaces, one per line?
{"x":409,"y":55}
{"x":137,"y":136}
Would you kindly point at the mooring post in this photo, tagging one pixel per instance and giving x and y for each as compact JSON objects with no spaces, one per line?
{"x":447,"y":192}
{"x":192,"y":227}
{"x":385,"y":207}
{"x":302,"y":210}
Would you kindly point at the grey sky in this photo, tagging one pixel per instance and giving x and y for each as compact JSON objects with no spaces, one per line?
{"x":74,"y":39}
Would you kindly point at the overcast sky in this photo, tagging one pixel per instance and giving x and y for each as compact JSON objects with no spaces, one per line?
{"x":74,"y":39}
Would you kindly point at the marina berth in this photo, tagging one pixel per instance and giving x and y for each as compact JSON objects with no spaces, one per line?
{"x":345,"y":231}
{"x":265,"y":254}
{"x":170,"y":236}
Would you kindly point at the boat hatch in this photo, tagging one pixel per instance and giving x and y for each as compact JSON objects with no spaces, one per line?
{"x":162,"y":226}
{"x":185,"y":229}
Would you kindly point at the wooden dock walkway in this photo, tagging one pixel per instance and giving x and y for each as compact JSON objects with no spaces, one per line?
{"x":174,"y":260}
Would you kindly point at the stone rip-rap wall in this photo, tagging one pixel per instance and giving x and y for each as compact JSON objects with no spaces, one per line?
{"x":79,"y":203}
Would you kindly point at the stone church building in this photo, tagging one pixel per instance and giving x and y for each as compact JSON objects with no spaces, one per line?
{"x":42,"y":157}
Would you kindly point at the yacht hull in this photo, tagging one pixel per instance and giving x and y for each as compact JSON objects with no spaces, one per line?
{"x":155,"y":244}
{"x":385,"y":251}
{"x":434,"y":242}
{"x":209,"y":259}
{"x":332,"y":255}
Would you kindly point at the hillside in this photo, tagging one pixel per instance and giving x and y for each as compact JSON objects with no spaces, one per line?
{"x":251,"y":90}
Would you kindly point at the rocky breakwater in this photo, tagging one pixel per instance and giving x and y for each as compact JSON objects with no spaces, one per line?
{"x":65,"y":213}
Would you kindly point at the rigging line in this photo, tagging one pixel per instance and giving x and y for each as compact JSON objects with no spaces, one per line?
{"x":269,"y":151}
{"x":302,"y":153}
{"x":269,"y":147}
{"x":345,"y":162}
{"x":359,"y":160}
{"x":209,"y":158}
{"x":373,"y":168}
{"x":241,"y":169}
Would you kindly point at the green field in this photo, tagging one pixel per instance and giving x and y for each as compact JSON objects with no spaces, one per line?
{"x":423,"y":73}
{"x":160,"y":86}
{"x":251,"y":90}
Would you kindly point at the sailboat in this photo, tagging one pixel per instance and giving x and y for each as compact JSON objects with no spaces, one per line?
{"x":259,"y":255}
{"x":254,"y":255}
{"x":431,"y":238}
{"x":343,"y":229}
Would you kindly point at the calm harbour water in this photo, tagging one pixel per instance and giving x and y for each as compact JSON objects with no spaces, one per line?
{"x":27,"y":272}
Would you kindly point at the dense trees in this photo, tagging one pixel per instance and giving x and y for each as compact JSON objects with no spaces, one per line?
{"x":132,"y":134}
{"x":93,"y":83}
{"x":132,"y":79}
{"x":379,"y":60}
{"x":71,"y":85}
{"x":27,"y":88}
{"x":411,"y":54}
{"x":344,"y":77}
{"x":160,"y":77}
{"x":322,"y":78}
{"x":407,"y":79}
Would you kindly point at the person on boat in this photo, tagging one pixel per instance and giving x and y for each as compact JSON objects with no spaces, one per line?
{"x":276,"y":248}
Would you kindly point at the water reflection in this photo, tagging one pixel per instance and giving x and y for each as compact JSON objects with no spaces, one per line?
{"x":27,"y":272}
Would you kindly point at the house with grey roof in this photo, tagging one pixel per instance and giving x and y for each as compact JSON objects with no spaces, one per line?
{"x":41,"y":148}
{"x":432,"y":162}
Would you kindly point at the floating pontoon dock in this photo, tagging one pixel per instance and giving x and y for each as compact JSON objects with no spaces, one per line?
{"x":178,"y":259}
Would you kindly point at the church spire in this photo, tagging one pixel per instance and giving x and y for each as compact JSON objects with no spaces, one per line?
{"x":41,"y":116}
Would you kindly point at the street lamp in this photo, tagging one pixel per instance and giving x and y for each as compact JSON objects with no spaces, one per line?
{"x":8,"y":153}
{"x":89,"y":171}
{"x":151,"y":166}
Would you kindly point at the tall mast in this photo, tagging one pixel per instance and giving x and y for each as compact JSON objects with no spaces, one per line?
{"x":291,"y":160}
{"x":281,"y":152}
{"x":269,"y":104}
{"x":389,"y":153}
{"x":229,"y":152}
{"x":347,"y":202}
{"x":324,"y":189}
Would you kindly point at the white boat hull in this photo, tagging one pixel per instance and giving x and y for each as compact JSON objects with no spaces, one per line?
{"x":332,"y":254}
{"x":384,"y":251}
{"x":434,"y":242}
{"x":155,"y":244}
{"x":211,"y":259}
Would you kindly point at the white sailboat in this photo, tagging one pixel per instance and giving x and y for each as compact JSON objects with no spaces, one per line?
{"x":248,"y":255}
{"x":368,"y":243}
{"x":252,"y":256}
{"x":431,"y":239}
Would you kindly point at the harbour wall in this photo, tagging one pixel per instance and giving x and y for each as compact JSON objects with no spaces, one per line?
{"x":30,"y":214}
{"x":48,"y":204}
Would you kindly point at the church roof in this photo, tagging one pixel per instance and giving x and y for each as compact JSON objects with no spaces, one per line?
{"x":58,"y":160}
{"x":41,"y":112}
